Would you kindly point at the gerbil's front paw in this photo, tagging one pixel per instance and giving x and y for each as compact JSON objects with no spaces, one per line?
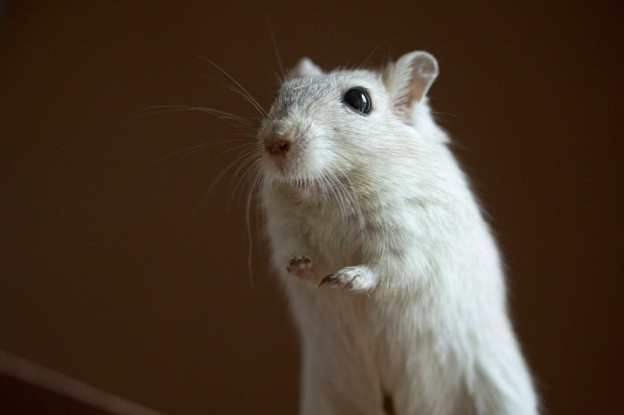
{"x":359,"y":278}
{"x":301,"y":267}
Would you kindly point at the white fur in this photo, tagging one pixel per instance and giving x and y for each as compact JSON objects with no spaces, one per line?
{"x":416,"y":307}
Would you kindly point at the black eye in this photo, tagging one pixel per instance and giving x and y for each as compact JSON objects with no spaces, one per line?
{"x":359,"y":100}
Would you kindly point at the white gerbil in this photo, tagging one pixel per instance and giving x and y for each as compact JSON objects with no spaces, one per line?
{"x":391,"y":272}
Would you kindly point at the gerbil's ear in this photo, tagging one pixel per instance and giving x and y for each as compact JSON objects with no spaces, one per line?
{"x":305,"y":67}
{"x":409,"y":78}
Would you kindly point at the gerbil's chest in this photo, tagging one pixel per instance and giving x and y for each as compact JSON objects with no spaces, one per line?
{"x":333,"y":238}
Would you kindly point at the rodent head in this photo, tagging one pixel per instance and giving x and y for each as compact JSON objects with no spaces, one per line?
{"x":347,"y":126}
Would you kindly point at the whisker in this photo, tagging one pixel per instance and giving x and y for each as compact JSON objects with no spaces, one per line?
{"x":241,"y":175}
{"x":220,"y":176}
{"x":276,"y":51}
{"x":443,"y":113}
{"x":247,"y":98}
{"x":229,"y":150}
{"x":161,"y":109}
{"x":375,"y":49}
{"x":249,"y":237}
{"x":242,"y":90}
{"x":247,"y":135}
{"x":192,"y":150}
{"x":238,"y":161}
{"x":253,"y":189}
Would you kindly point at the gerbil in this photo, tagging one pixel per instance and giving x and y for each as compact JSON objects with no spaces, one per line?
{"x":391,"y":272}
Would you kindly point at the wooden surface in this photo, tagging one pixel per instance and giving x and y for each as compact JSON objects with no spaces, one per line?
{"x":22,"y":398}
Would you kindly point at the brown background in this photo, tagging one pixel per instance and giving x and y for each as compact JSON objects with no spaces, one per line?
{"x":129,"y":275}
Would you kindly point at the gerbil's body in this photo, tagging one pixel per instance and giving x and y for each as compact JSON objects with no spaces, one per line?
{"x":362,"y":197}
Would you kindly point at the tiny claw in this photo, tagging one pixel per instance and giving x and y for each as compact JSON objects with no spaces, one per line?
{"x":327,"y":279}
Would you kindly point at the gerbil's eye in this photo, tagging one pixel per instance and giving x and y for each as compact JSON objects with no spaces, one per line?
{"x":359,"y":100}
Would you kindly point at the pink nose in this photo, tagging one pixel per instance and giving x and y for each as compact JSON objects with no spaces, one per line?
{"x":277,"y":145}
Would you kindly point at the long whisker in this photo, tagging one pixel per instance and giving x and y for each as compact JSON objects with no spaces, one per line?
{"x":443,"y":113}
{"x":160,"y":109}
{"x":244,"y":168}
{"x":253,"y":189}
{"x":220,"y":176}
{"x":247,"y":97}
{"x":193,"y":149}
{"x":241,"y":175}
{"x":276,"y":51}
{"x":229,"y":150}
{"x":375,"y":49}
{"x":242,"y":91}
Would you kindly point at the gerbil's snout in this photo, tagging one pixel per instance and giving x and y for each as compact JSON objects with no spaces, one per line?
{"x":277,"y":144}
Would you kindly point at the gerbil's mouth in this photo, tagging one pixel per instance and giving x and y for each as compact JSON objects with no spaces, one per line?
{"x":297,"y":182}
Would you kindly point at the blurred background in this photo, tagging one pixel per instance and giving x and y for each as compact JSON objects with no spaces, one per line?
{"x":122,"y":267}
